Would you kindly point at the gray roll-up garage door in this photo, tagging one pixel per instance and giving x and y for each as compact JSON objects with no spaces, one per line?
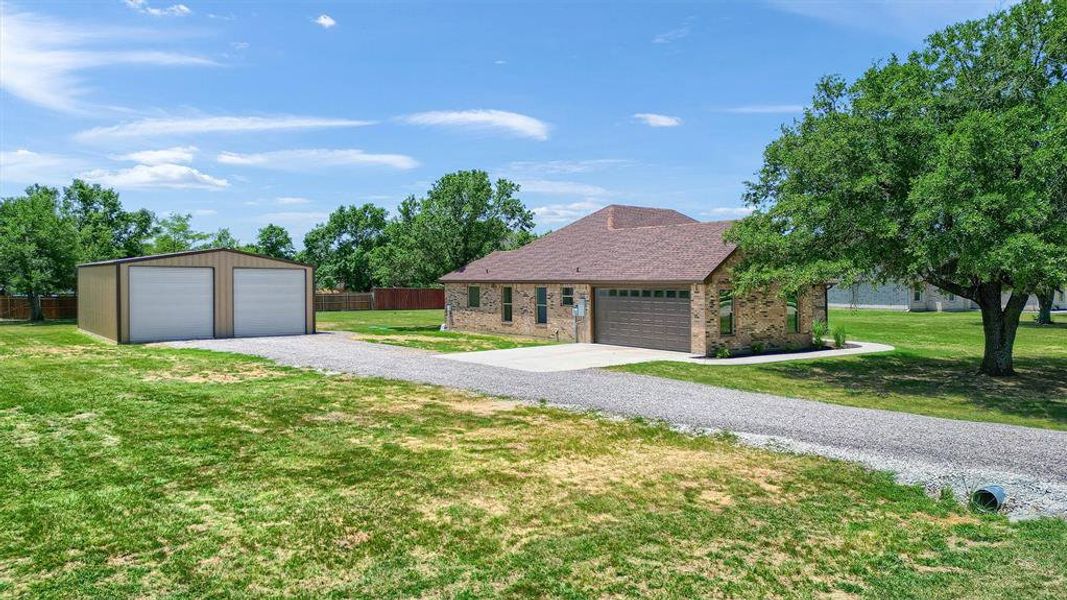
{"x":171,"y":303}
{"x":643,"y":317}
{"x":268,"y":302}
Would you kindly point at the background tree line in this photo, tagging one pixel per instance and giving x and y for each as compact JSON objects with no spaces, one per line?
{"x":46,"y":232}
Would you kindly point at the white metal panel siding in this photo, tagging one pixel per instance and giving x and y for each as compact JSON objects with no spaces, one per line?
{"x":171,"y":303}
{"x":268,"y":302}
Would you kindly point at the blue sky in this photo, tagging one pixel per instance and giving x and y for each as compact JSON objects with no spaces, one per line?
{"x":244,"y":113}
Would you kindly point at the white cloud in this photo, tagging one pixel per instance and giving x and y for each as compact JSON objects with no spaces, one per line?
{"x":290,"y":200}
{"x":767,"y":109}
{"x":293,"y":217}
{"x":177,"y":154}
{"x":156,"y":176}
{"x":562,"y":188}
{"x":558,"y":214}
{"x":174,"y":10}
{"x":657,"y":120}
{"x":726,"y":212}
{"x":239,"y":45}
{"x":200,"y":125}
{"x":41,"y":59}
{"x":325,"y":21}
{"x":557,"y":167}
{"x":25,"y":166}
{"x":483,"y":119}
{"x":315,"y":158}
{"x":674,"y":35}
{"x":204,"y":212}
{"x":905,"y":19}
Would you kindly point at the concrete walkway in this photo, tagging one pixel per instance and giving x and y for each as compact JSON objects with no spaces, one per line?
{"x":1030,"y":463}
{"x":575,"y":357}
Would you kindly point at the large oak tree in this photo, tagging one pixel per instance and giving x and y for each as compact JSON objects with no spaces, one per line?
{"x":38,"y":246}
{"x":949,"y":166}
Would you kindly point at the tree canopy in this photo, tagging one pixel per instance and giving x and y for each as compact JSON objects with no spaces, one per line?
{"x":38,"y":246}
{"x":340,"y":248}
{"x":175,"y":234}
{"x":949,"y":166}
{"x":463,"y":217}
{"x":273,"y":240}
{"x":105,"y":230}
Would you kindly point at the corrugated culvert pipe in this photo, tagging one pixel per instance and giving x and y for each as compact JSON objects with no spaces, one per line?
{"x":989,"y":498}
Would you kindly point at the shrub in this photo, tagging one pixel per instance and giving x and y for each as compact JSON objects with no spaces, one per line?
{"x":758,"y":347}
{"x":723,"y":352}
{"x":819,"y":329}
{"x":839,"y":337}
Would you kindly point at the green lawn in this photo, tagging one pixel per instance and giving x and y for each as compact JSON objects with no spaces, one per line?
{"x":931,"y":372}
{"x":416,"y":329}
{"x":134,"y":471}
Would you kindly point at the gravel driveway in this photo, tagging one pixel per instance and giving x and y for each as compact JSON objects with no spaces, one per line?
{"x":1030,"y":463}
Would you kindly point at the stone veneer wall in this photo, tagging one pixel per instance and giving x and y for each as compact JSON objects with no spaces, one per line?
{"x":488,"y":318}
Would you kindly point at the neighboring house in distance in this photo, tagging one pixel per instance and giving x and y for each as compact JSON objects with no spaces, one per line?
{"x":646,"y":277}
{"x":922,"y":297}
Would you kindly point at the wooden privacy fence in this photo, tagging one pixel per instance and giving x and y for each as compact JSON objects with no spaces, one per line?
{"x":408,"y":298}
{"x":54,"y":307}
{"x":382,"y":299}
{"x":66,"y":307}
{"x":343,"y":301}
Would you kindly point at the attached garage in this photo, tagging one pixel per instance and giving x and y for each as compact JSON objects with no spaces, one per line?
{"x":653,"y":317}
{"x":194,"y":295}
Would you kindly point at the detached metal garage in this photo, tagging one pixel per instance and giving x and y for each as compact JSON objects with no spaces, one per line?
{"x":194,"y":295}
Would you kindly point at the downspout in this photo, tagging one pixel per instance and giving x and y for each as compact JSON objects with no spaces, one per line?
{"x":826,"y":302}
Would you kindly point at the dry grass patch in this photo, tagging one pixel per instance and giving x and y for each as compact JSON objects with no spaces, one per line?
{"x":188,"y":373}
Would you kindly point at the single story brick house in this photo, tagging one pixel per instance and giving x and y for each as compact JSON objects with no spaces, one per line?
{"x":629,"y":276}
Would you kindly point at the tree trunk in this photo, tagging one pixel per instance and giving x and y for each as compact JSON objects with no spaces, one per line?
{"x":1044,"y":311}
{"x":1000,"y":326}
{"x":36,"y":313}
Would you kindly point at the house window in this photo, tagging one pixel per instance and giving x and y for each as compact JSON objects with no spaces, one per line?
{"x":726,"y":312}
{"x":566,"y":296}
{"x":541,"y":299}
{"x":474,"y":296}
{"x":505,"y":304}
{"x":792,"y":317}
{"x":952,"y":297}
{"x":672,"y":293}
{"x":683,"y":294}
{"x":918,"y":293}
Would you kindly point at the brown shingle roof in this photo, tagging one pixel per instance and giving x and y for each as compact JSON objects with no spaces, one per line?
{"x":616,"y":243}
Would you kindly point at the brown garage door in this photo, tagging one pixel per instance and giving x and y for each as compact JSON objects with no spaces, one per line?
{"x":643,"y":317}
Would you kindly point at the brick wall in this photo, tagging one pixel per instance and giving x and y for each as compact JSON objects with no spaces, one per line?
{"x":488,"y":318}
{"x":758,"y":316}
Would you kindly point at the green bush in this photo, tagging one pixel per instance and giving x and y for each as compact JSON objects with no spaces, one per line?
{"x":758,"y":347}
{"x":819,"y":329}
{"x":839,"y":337}
{"x":723,"y":352}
